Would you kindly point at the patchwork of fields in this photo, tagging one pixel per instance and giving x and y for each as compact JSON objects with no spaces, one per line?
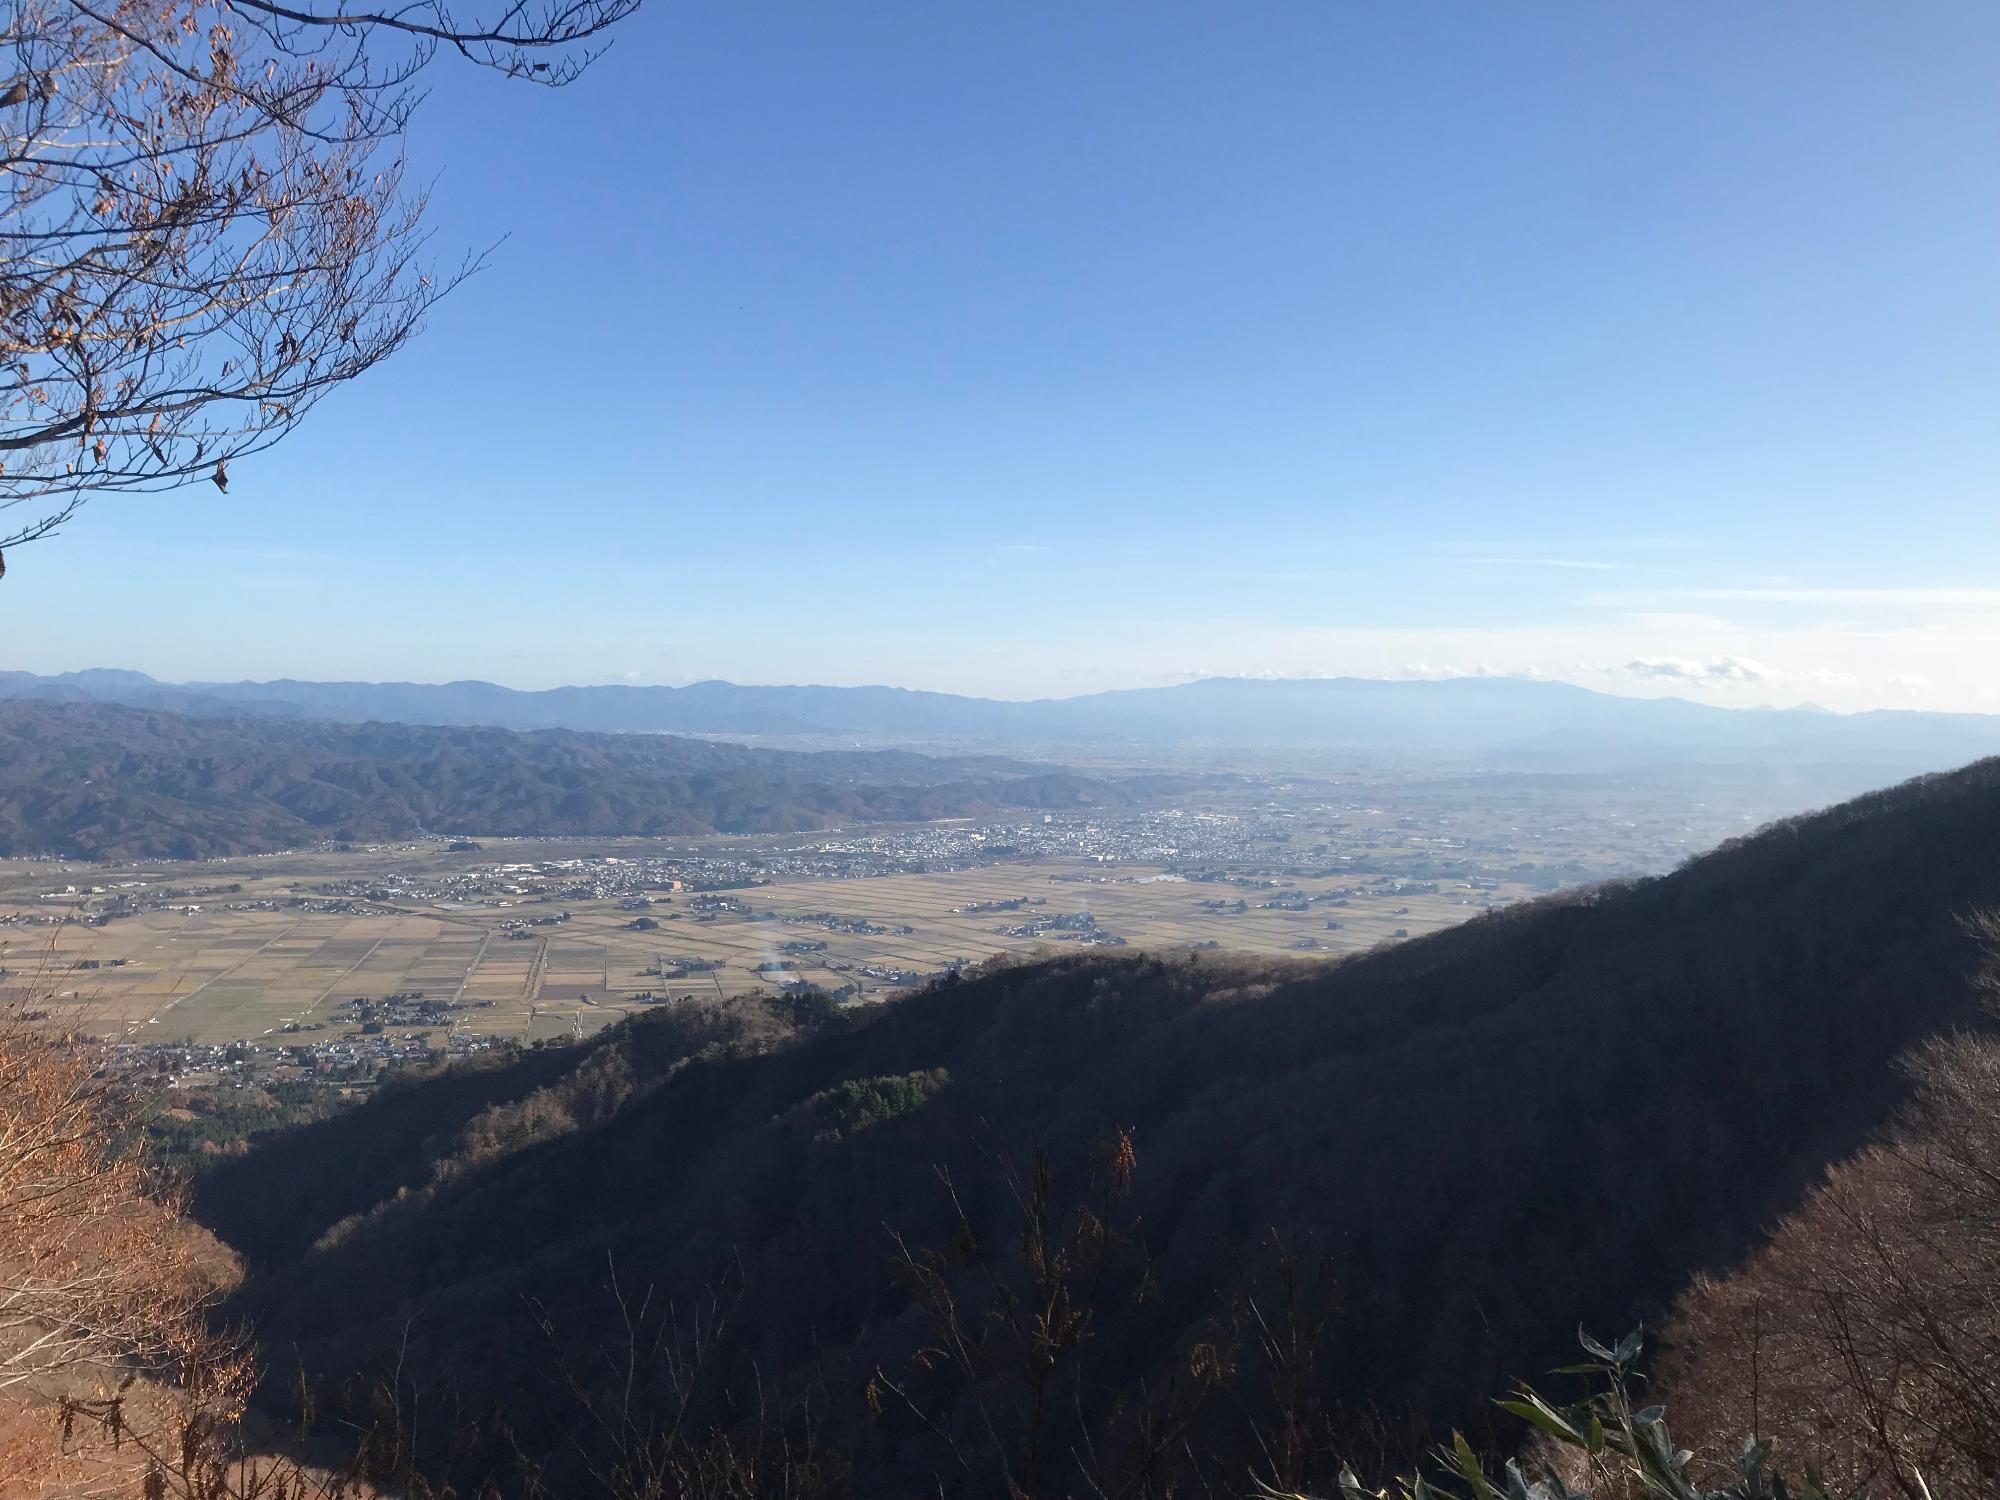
{"x":239,"y":970}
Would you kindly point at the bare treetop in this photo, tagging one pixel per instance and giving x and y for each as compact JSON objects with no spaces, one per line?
{"x":204,"y":226}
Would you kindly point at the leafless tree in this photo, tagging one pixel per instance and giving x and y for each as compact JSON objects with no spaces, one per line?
{"x":92,"y":1273}
{"x":1866,"y":1336}
{"x":205,"y":225}
{"x":634,"y":1433}
{"x":1012,"y":1401}
{"x":103,"y":1284}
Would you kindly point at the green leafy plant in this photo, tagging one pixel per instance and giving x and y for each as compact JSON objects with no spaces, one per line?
{"x":1604,"y":1447}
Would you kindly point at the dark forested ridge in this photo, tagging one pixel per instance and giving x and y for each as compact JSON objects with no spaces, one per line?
{"x":1552,"y":1114}
{"x":103,"y":781}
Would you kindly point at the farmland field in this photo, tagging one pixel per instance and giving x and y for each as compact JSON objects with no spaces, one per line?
{"x":219,"y":974}
{"x":530,"y":939}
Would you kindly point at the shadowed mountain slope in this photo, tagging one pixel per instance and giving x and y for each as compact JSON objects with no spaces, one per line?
{"x":1553,"y":1114}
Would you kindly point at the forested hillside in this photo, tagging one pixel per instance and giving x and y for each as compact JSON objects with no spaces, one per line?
{"x":1554,"y":1114}
{"x":99,"y":781}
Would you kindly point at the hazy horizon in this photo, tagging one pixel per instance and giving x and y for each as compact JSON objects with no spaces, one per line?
{"x":1663,"y":686}
{"x":1021,"y":352}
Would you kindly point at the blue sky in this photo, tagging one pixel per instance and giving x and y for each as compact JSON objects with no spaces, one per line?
{"x":1034,"y":348}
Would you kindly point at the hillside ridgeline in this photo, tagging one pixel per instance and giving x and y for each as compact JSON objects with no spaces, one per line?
{"x":1509,"y":722}
{"x":98,"y":781}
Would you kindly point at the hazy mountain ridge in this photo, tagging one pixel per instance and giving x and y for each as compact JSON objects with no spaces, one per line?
{"x":100,"y":780}
{"x":1555,"y":1113}
{"x":1508,"y":721}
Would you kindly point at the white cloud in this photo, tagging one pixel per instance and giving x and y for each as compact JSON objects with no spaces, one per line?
{"x":1718,"y":669}
{"x":1735,"y":671}
{"x":1424,"y":672}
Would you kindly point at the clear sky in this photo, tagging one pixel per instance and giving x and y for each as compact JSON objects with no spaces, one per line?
{"x":1033,"y":347}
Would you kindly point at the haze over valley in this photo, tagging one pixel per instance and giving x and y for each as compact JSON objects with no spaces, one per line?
{"x":305,"y":881}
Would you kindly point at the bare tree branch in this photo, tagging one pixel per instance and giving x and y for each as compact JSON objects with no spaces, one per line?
{"x":205,"y":226}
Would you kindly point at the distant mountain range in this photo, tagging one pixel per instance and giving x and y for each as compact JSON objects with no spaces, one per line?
{"x":1503,"y":722}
